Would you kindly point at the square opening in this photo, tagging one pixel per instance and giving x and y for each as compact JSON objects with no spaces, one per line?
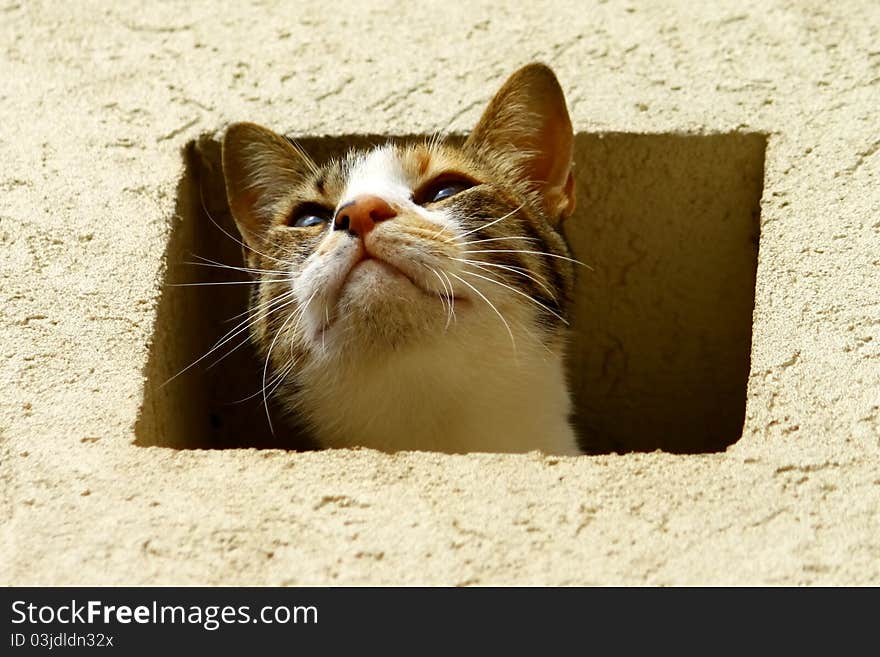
{"x":659,"y":354}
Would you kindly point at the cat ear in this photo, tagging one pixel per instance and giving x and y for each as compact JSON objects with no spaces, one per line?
{"x":527,"y":122}
{"x":260,"y":167}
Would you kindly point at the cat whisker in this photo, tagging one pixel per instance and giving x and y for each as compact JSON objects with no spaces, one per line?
{"x":438,"y":136}
{"x":516,"y":270}
{"x":543,"y":253}
{"x":302,"y":313}
{"x":484,"y":226}
{"x":275,"y":382}
{"x":498,"y":239}
{"x":251,"y":282}
{"x":522,"y":294}
{"x":231,"y":351}
{"x":264,"y":306}
{"x":530,"y":333}
{"x":451,"y":296}
{"x":492,"y":306}
{"x":434,"y":140}
{"x":447,"y":298}
{"x":324,"y":328}
{"x":266,"y":368}
{"x":236,"y":316}
{"x":309,"y":162}
{"x":442,"y":296}
{"x":246,"y":329}
{"x":298,"y":314}
{"x":279,"y":379}
{"x":450,"y":300}
{"x":257,"y":312}
{"x":236,"y":330}
{"x":439,"y":233}
{"x":207,"y":262}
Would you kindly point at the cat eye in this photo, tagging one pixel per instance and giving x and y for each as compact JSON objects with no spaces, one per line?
{"x":308,"y":215}
{"x":308,"y":220}
{"x":442,"y":188}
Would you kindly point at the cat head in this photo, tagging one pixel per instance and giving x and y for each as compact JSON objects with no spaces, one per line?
{"x":407,"y":243}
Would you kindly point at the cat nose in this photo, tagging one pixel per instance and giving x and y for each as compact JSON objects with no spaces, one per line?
{"x":359,"y":216}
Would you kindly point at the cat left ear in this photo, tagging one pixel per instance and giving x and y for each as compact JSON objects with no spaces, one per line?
{"x":260,"y":167}
{"x":527,"y":122}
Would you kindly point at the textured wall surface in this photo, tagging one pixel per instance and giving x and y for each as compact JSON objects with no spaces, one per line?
{"x":99,"y":101}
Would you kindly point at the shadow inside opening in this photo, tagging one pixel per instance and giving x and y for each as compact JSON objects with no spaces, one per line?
{"x":659,"y":354}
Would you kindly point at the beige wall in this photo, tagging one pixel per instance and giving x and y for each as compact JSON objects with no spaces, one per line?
{"x":100,"y":100}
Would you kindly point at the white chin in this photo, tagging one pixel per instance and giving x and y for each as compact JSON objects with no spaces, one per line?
{"x":380,"y":304}
{"x":374,"y":282}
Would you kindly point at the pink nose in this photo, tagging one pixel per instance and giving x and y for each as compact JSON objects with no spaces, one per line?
{"x":359,"y":216}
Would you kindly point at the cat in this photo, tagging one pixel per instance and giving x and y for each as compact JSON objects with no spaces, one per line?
{"x":416,"y":296}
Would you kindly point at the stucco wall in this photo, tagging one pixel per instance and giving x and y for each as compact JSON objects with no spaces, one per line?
{"x":98,"y":104}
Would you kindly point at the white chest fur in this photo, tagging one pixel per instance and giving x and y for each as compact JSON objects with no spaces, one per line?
{"x":457,"y":393}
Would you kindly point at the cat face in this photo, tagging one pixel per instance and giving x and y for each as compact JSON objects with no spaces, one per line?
{"x":407,"y":245}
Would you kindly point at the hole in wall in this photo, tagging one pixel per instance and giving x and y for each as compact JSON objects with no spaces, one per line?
{"x":663,"y":325}
{"x":659,"y":356}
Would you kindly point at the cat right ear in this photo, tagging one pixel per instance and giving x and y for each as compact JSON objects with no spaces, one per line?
{"x":260,"y":167}
{"x":527,"y":124}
